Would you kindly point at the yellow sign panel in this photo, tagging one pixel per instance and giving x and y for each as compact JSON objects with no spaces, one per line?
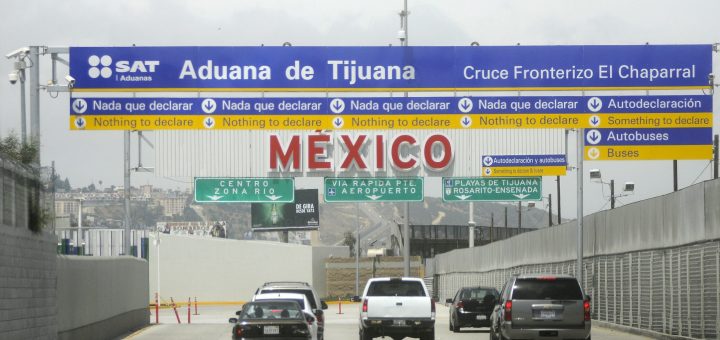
{"x":388,"y":122}
{"x":523,"y":171}
{"x":648,"y":152}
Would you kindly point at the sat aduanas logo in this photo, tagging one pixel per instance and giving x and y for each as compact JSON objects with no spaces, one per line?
{"x":123,"y":70}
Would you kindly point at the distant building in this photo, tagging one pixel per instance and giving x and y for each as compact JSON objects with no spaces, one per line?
{"x":172,"y":205}
{"x":146,"y":189}
{"x":66,"y":207}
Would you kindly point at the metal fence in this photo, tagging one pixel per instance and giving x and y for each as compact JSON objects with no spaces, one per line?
{"x":674,"y":291}
{"x":100,"y":241}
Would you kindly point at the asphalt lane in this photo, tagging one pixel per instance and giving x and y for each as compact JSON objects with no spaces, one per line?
{"x":212,"y":323}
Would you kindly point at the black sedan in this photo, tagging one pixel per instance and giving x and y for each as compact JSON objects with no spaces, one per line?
{"x":274,"y":319}
{"x":472,"y":307}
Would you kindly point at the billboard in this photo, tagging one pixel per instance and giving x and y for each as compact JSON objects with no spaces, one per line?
{"x":381,"y":68}
{"x":304,"y":213}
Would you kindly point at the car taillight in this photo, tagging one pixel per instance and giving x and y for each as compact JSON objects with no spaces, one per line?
{"x":460,"y":305}
{"x":320,"y":317}
{"x":239,"y":331}
{"x":508,"y":310}
{"x":364,"y":306}
{"x":586,"y":306}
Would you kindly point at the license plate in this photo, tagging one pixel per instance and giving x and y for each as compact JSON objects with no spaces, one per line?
{"x":398,"y":322}
{"x":271,"y":330}
{"x":547,"y":314}
{"x":481,"y":317}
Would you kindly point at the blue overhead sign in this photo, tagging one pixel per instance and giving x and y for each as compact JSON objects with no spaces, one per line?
{"x":393,"y":105}
{"x":441,"y":68}
{"x":674,"y":136}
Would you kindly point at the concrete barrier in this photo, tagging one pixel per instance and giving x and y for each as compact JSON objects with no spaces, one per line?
{"x":101,"y":297}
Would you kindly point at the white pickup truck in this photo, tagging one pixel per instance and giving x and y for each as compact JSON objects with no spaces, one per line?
{"x":398,"y":308}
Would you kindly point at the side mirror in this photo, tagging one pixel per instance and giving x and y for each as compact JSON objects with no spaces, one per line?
{"x":448,"y":300}
{"x":233,"y":320}
{"x":318,"y":312}
{"x":238,"y":313}
{"x":355,"y":299}
{"x":323,"y":304}
{"x":309,"y":318}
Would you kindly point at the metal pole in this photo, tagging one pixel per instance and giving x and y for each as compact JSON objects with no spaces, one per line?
{"x":716,"y":144}
{"x":519,"y":214}
{"x":23,"y":113}
{"x":492,"y":226}
{"x":158,"y":265}
{"x":675,"y":177}
{"x":612,"y":194}
{"x":559,"y":215}
{"x":406,"y":241}
{"x":126,"y":236}
{"x":80,"y":235}
{"x":471,"y":224}
{"x":550,"y":210}
{"x":35,"y":98}
{"x":357,"y":250}
{"x":506,"y":225}
{"x":580,"y":155}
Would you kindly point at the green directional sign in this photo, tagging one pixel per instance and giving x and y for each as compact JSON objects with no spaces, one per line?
{"x":244,"y":190}
{"x":492,"y":189}
{"x":373,"y":189}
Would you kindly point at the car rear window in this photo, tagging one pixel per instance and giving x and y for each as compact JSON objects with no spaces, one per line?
{"x":547,"y":289}
{"x":308,"y":294}
{"x":271,"y":310}
{"x":477,"y":293}
{"x":396,"y":288}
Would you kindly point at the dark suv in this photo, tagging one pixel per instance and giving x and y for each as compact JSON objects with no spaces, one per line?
{"x":318,"y":306}
{"x":539,"y":306}
{"x":472,"y":307}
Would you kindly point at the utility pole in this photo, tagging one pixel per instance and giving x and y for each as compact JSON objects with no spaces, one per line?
{"x":357,"y":250}
{"x":716,"y":143}
{"x":471,"y":224}
{"x":403,"y":35}
{"x":126,"y":233}
{"x":519,"y":214}
{"x":34,"y":83}
{"x":549,"y":210}
{"x":559,"y":215}
{"x":506,"y":225}
{"x":675,"y":175}
{"x":612,"y":194}
{"x":580,"y":155}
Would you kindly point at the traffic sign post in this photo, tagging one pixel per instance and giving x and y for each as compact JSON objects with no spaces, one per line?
{"x":463,"y":189}
{"x":374,"y":189}
{"x":244,"y":190}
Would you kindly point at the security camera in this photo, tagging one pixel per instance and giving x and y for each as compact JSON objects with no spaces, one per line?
{"x":13,"y":77}
{"x":19,"y":51}
{"x":629,"y":186}
{"x":70,"y":80}
{"x":402,"y":35}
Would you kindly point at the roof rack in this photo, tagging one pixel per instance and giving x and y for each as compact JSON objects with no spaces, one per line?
{"x":279,"y":283}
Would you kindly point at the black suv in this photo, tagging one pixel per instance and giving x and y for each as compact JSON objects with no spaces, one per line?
{"x":472,"y":307}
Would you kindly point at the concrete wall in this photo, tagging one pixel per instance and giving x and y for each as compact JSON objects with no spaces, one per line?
{"x":27,"y":262}
{"x":684,"y":217}
{"x":101,"y":297}
{"x":224,"y":270}
{"x":27,"y":284}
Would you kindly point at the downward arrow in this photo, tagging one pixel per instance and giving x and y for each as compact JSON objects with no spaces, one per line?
{"x":80,"y":122}
{"x":79,"y":105}
{"x":466,"y":121}
{"x":595,"y":121}
{"x":373,"y":197}
{"x":462,"y":197}
{"x":273,"y":197}
{"x":594,"y":137}
{"x":465,"y":105}
{"x":215,"y":198}
{"x":595,"y":104}
{"x":337,"y":106}
{"x":209,"y":106}
{"x":521,"y":196}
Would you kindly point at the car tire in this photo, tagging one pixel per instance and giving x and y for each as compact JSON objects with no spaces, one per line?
{"x":429,"y":335}
{"x":364,"y":335}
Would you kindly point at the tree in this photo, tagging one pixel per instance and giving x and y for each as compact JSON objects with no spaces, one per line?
{"x":349,"y":240}
{"x":24,"y":153}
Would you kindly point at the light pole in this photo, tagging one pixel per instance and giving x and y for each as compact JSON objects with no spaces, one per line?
{"x":18,"y":74}
{"x":628,"y":189}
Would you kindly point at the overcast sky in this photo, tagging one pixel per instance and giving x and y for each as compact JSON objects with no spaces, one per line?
{"x":87,"y":156}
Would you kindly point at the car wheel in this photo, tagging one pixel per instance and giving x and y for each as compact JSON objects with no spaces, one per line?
{"x":364,"y":335}
{"x":493,"y":336}
{"x":455,"y":328}
{"x":429,"y":335}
